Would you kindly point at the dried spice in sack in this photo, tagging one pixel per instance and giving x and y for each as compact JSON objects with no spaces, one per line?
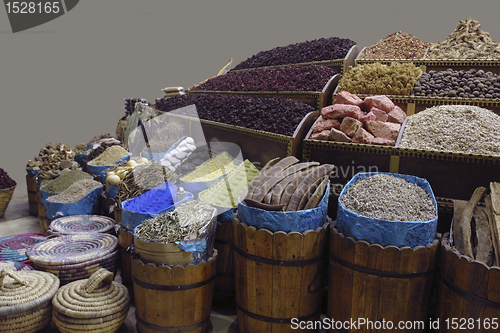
{"x":100,"y":147}
{"x":379,"y":79}
{"x":454,"y":128}
{"x":110,"y":156}
{"x":399,"y":45}
{"x":389,"y":198}
{"x":275,"y":115}
{"x":52,"y":159}
{"x":76,"y":192}
{"x":314,"y":50}
{"x":468,"y":41}
{"x":65,"y":180}
{"x":5,"y":180}
{"x":465,"y":84}
{"x":294,"y":78}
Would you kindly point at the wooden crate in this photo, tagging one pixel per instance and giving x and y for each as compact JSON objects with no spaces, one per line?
{"x":317,"y":99}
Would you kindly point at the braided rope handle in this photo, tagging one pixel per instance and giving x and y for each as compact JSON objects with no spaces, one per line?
{"x":99,"y":276}
{"x":8,"y":272}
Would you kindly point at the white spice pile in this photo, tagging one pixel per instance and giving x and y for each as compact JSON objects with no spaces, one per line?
{"x":454,"y":128}
{"x":76,"y":191}
{"x":390,"y":198}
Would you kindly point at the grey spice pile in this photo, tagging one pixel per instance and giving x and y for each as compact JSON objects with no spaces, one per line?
{"x":454,"y":128}
{"x":187,"y":221}
{"x":76,"y":191}
{"x":390,"y":198}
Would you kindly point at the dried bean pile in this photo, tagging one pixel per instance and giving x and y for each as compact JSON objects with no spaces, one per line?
{"x":379,"y":79}
{"x":294,"y":78}
{"x":52,"y":159}
{"x":76,"y":192}
{"x":399,"y":45}
{"x":276,"y":115}
{"x":468,"y":41}
{"x":389,"y":198}
{"x":465,"y":84}
{"x":454,"y":128}
{"x":5,"y":180}
{"x":315,"y":50}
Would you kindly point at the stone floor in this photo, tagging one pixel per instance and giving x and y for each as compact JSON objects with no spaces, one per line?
{"x":17,"y":221}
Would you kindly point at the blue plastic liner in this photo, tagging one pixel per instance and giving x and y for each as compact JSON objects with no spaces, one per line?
{"x":32,"y":173}
{"x":97,"y":170}
{"x":299,"y":221}
{"x":89,"y":205}
{"x":384,"y":232}
{"x":80,"y":158}
{"x":130,"y":220}
{"x":112,"y":192}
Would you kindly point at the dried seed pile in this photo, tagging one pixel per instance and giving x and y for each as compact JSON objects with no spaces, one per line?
{"x":76,"y":191}
{"x":379,"y":79}
{"x":52,"y":159}
{"x":5,"y":180}
{"x":466,"y":84}
{"x":389,"y":198}
{"x":315,"y":50}
{"x":275,"y":115}
{"x":187,"y":221}
{"x":211,"y":169}
{"x":468,"y":41}
{"x":399,"y":45}
{"x":293,"y":78}
{"x":65,"y":180}
{"x":454,"y":128}
{"x":288,"y":185}
{"x":143,"y":178}
{"x":110,"y":156}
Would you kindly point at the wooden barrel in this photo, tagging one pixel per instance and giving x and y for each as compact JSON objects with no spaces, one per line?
{"x":224,"y":279}
{"x":173,"y":298}
{"x":43,"y":221}
{"x":125,"y":240}
{"x":33,"y":188}
{"x":380,"y":286}
{"x":469,"y":293}
{"x":278,"y":277}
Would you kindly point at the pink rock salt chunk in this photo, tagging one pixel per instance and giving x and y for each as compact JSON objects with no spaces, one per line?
{"x":323,"y":135}
{"x":379,"y":114}
{"x":336,"y":135}
{"x":362,"y":136}
{"x":337,"y":111}
{"x":383,"y":142}
{"x":325,"y":124}
{"x":383,"y":130}
{"x":368,"y":116}
{"x":381,"y":102}
{"x":350,"y":126}
{"x":396,"y":115}
{"x":345,"y":97}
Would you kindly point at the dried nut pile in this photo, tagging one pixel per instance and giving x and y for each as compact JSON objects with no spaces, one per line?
{"x":110,"y":156}
{"x":454,"y":128}
{"x":376,"y":120}
{"x":226,"y":191}
{"x":275,"y":115}
{"x":76,"y":192}
{"x":201,"y":154}
{"x":389,"y":198}
{"x":379,"y":79}
{"x":293,"y":78}
{"x":211,"y":169}
{"x":5,"y":180}
{"x":288,"y":185}
{"x":186,"y":222}
{"x":181,"y":153}
{"x":468,"y":41}
{"x":118,"y":173}
{"x":464,"y":84}
{"x":399,"y":45}
{"x":52,"y":159}
{"x":65,"y":180}
{"x":314,"y":50}
{"x":143,"y":178}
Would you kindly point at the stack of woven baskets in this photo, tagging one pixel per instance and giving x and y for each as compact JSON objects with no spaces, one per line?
{"x":13,"y":248}
{"x":75,"y":257}
{"x":96,"y":304}
{"x":26,"y":300}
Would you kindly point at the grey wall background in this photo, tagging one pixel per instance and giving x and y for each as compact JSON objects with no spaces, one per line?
{"x":65,"y":81}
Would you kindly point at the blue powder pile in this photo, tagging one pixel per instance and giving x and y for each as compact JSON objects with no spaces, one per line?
{"x":153,"y":201}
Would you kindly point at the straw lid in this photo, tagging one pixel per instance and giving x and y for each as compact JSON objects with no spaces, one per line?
{"x":23,"y":291}
{"x":96,"y":297}
{"x":14,"y":247}
{"x":72,"y":249}
{"x":68,"y":225}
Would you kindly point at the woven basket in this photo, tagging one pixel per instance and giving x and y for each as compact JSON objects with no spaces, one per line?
{"x":25,"y":300}
{"x":13,"y":248}
{"x":96,"y":304}
{"x":69,"y":225}
{"x":5,"y":196}
{"x":75,"y":257}
{"x":15,"y":266}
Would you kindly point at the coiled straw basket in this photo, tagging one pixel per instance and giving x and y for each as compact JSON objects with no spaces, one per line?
{"x":96,"y":304}
{"x":69,"y":225}
{"x":26,"y":300}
